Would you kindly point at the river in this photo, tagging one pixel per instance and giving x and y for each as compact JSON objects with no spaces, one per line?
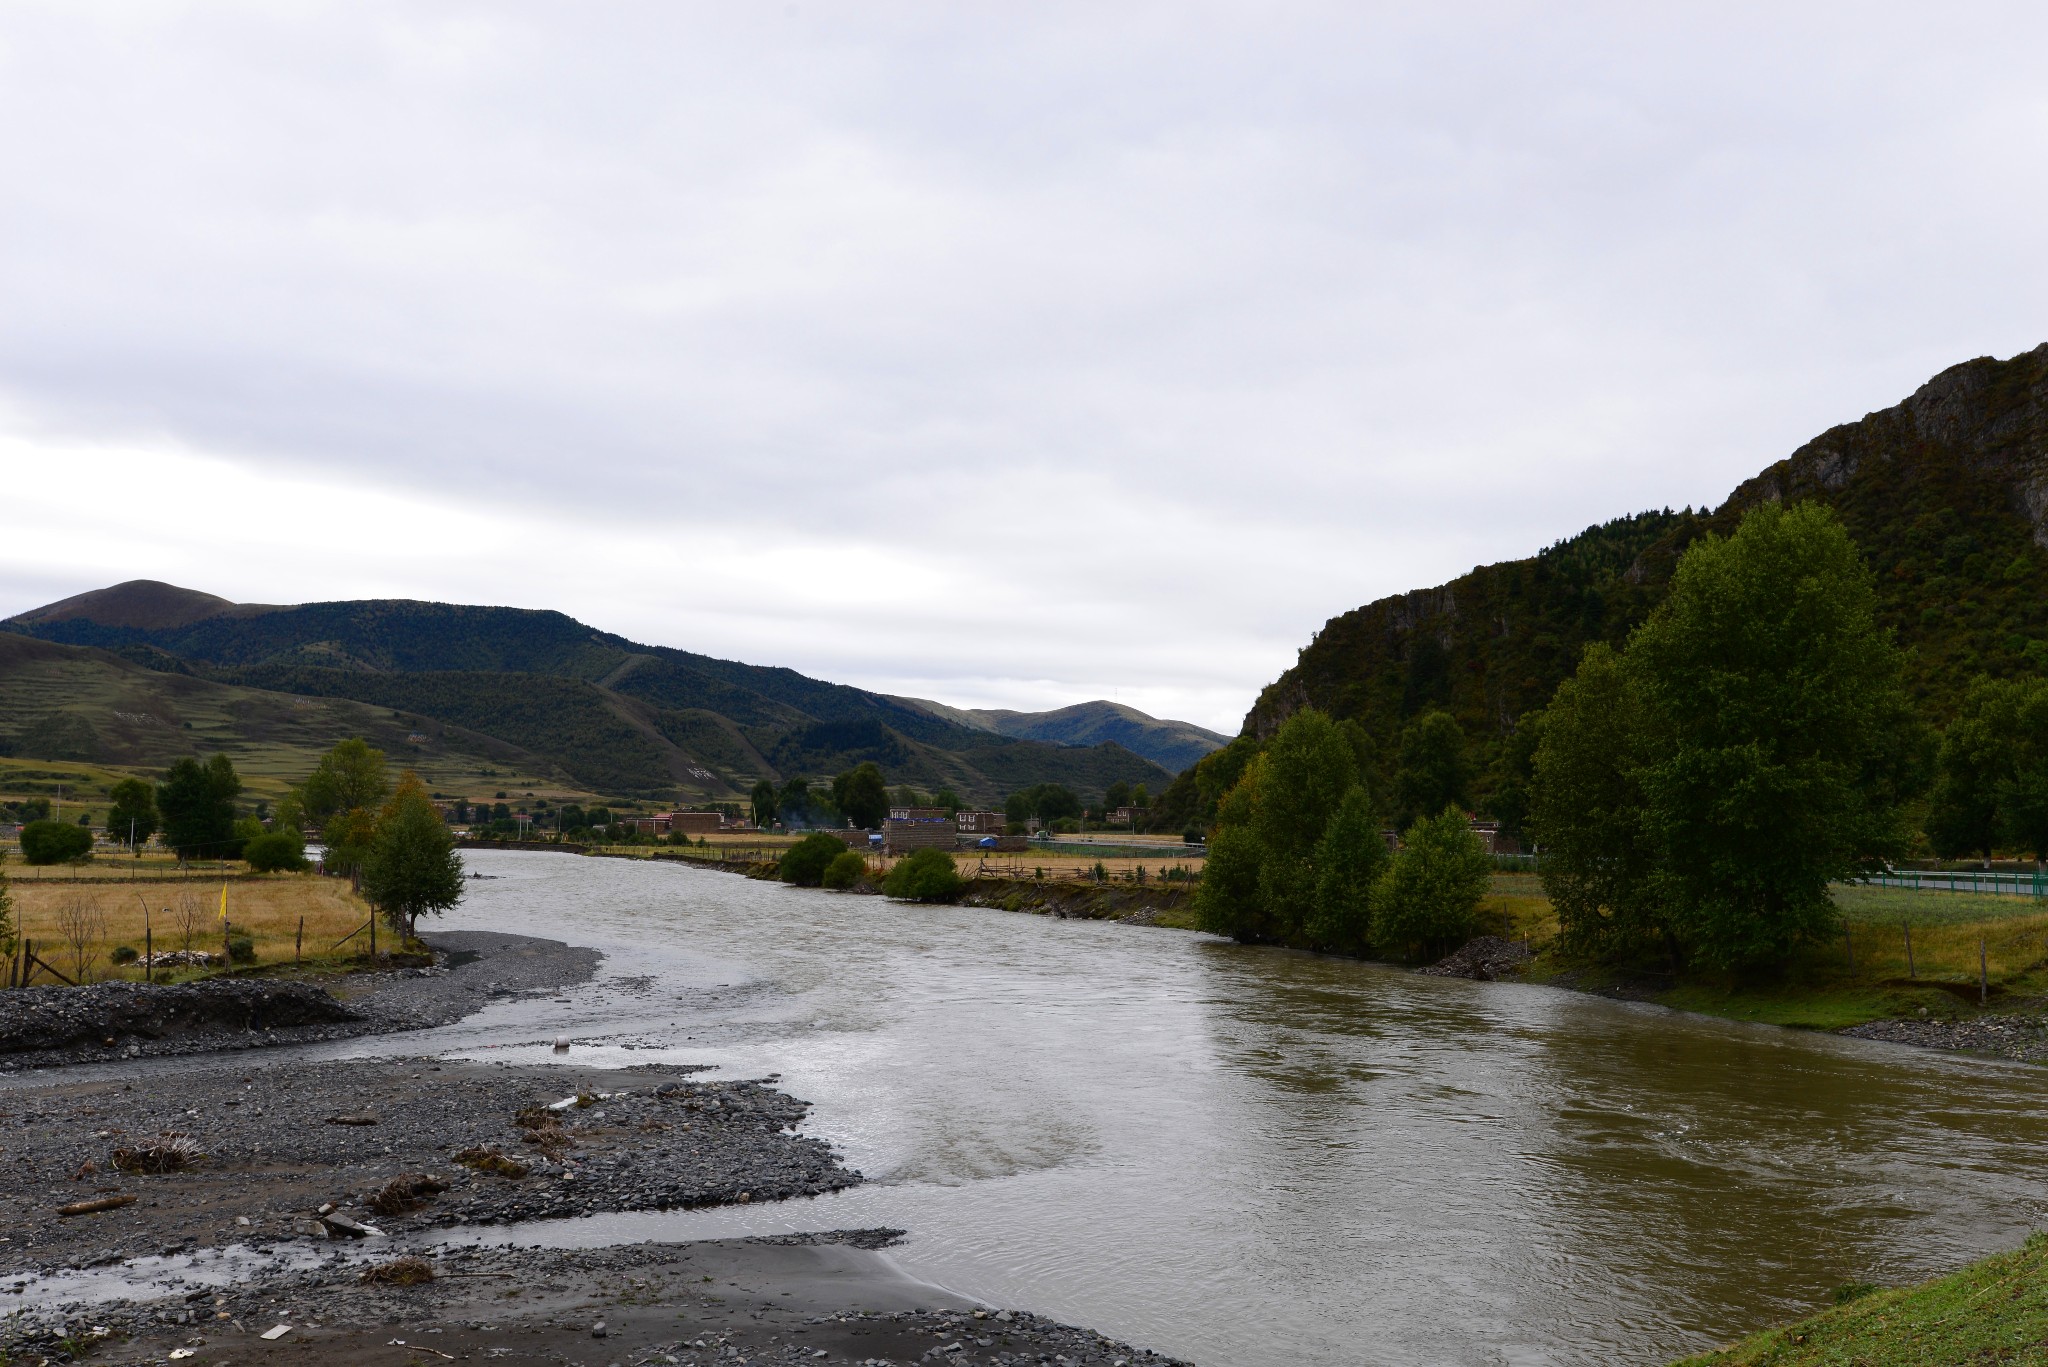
{"x":1247,"y":1156}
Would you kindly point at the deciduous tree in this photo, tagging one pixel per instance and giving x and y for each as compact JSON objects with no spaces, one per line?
{"x":1428,"y":898}
{"x":412,"y":868}
{"x":132,"y":817}
{"x":197,"y":804}
{"x":1432,"y":769}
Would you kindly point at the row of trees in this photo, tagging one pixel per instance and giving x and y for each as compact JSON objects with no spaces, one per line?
{"x":1694,"y":792}
{"x":1297,"y":856}
{"x":858,"y":796}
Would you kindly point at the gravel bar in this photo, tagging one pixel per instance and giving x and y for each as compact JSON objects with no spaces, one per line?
{"x":798,"y":1299}
{"x":257,"y":1151}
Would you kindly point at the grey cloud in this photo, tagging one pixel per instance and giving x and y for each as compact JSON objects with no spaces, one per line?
{"x":1193,"y":322}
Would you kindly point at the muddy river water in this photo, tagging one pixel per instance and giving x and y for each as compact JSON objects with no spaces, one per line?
{"x":1245,"y":1156}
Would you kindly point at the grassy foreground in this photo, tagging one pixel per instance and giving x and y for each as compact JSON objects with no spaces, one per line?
{"x":1991,"y":1311}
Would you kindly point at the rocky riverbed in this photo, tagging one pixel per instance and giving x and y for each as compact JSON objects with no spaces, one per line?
{"x":2017,"y":1036}
{"x":252,"y":1154}
{"x":799,"y":1299}
{"x":43,"y":1027}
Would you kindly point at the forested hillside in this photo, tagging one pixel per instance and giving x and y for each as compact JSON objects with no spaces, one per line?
{"x":1946,"y":496}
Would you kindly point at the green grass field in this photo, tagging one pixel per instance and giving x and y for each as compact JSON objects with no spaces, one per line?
{"x":1992,"y":1311}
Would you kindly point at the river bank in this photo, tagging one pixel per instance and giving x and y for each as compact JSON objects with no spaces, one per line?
{"x":179,"y":1153}
{"x":251,"y":1153}
{"x":834,"y":1297}
{"x":1994,"y":1310}
{"x":48,"y":1027}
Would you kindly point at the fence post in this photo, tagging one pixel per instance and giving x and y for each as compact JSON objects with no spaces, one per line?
{"x":1909,"y":951}
{"x":1851,"y":944}
{"x":1983,"y":975}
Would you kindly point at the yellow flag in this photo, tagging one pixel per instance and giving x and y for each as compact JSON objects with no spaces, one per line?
{"x":223,"y":901}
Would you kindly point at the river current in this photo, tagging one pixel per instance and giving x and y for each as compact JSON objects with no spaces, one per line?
{"x":1246,"y":1156}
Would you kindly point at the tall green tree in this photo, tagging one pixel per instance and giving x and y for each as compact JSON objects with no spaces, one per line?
{"x":132,"y":818}
{"x":1783,"y":746}
{"x":1991,"y":772}
{"x":197,"y":803}
{"x":1262,"y":881}
{"x":764,"y":802}
{"x":1433,"y":770}
{"x":1117,"y":795}
{"x":1350,"y":860}
{"x":862,"y":795}
{"x":352,"y":775}
{"x":2023,"y":792}
{"x":1428,"y":900}
{"x":1601,"y":857}
{"x":412,"y":868}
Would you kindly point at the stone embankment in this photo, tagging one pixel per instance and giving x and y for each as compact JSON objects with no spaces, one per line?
{"x":2013,"y":1036}
{"x":1134,"y":903}
{"x":1485,"y":959}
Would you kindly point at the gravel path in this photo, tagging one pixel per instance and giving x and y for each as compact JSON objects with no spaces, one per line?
{"x":45,"y":1027}
{"x":276,"y":1143}
{"x":801,"y":1299}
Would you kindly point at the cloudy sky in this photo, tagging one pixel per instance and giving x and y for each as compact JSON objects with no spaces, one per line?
{"x":1010,"y":355}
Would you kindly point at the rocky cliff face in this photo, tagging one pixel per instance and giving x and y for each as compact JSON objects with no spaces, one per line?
{"x":1946,"y":494}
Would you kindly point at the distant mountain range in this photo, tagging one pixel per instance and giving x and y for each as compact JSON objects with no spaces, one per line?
{"x":604,"y":713}
{"x":1946,"y":495}
{"x":1172,"y":744}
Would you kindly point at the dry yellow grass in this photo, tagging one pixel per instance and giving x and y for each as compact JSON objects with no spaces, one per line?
{"x":78,"y":925}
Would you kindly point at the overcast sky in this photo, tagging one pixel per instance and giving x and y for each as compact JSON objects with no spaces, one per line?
{"x":1010,"y":355}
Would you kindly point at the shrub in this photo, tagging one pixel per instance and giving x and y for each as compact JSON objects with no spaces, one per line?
{"x":241,"y":949}
{"x":806,"y":861}
{"x":1426,"y":900}
{"x":845,"y":871}
{"x":54,"y":842}
{"x":276,"y":852}
{"x":926,"y":876}
{"x":124,"y":954}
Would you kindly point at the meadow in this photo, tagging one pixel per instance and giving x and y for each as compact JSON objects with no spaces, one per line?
{"x":76,"y":926}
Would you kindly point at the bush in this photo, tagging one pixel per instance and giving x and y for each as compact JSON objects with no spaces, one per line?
{"x":241,"y":949}
{"x":845,"y":871}
{"x":806,"y":861}
{"x":276,"y":852}
{"x":54,"y":842}
{"x":926,"y":876}
{"x":1427,"y":899}
{"x":124,"y":954}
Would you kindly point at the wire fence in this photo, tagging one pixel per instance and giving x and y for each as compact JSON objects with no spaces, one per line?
{"x":1960,"y":880}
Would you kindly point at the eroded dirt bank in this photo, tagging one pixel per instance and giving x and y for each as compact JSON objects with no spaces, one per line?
{"x":43,"y":1027}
